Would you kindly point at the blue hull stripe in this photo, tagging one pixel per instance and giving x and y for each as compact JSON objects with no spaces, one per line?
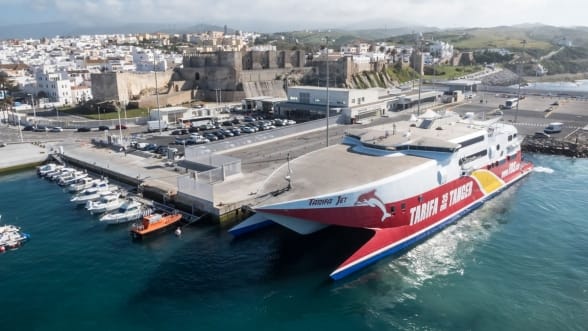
{"x":247,"y":229}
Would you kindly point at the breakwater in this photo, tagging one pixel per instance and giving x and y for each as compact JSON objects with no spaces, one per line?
{"x":552,"y":146}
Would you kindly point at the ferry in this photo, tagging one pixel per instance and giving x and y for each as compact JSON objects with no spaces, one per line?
{"x":155,"y":222}
{"x":404,"y":181}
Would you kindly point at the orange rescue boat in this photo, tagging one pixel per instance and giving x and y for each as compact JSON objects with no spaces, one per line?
{"x":155,"y":222}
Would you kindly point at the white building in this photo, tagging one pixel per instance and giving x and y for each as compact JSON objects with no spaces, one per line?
{"x":441,"y":50}
{"x":53,"y":86}
{"x":81,"y":93}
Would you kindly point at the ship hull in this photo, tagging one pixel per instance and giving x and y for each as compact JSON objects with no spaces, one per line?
{"x":413,"y":220}
{"x":386,"y":242}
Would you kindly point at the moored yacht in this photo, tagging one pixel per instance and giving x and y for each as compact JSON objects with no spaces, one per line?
{"x":130,"y":210}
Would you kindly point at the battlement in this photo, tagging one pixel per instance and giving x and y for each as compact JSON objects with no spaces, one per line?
{"x":251,"y":60}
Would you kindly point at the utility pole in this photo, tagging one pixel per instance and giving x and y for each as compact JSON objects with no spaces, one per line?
{"x":420,"y":57}
{"x":157,"y":95}
{"x":34,"y":111}
{"x":524,"y":42}
{"x":327,"y":89}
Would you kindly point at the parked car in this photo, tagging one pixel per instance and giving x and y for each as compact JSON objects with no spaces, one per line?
{"x":227,"y":123}
{"x":236,"y":131}
{"x":56,"y":129}
{"x":210,"y":136}
{"x":120,"y":127}
{"x":84,"y":129}
{"x":41,"y":128}
{"x":541,"y":135}
{"x":227,"y":132}
{"x":218,"y":134}
{"x":151,"y":147}
{"x":207,"y":126}
{"x":180,"y":141}
{"x":193,"y":129}
{"x":180,"y":131}
{"x":247,"y":129}
{"x":161,"y":150}
{"x":28,"y":128}
{"x":103,"y":128}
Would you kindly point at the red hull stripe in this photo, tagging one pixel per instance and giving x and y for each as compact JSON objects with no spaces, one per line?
{"x":389,"y":241}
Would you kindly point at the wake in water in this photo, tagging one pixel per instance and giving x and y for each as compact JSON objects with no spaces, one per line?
{"x":543,"y":169}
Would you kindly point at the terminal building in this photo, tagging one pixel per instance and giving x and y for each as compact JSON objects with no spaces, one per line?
{"x":308,"y":103}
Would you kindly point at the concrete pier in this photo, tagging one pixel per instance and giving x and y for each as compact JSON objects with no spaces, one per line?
{"x":15,"y":157}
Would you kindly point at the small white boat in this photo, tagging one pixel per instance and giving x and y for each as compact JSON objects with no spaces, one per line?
{"x":72,"y":178}
{"x":104,"y":204}
{"x":130,"y":210}
{"x":54,"y":175}
{"x":93,"y":193}
{"x":47,"y":168}
{"x":85,"y":183}
{"x":11,"y":237}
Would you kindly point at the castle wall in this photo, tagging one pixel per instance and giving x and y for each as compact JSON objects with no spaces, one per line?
{"x":175,"y":98}
{"x":125,"y":85}
{"x":230,"y":71}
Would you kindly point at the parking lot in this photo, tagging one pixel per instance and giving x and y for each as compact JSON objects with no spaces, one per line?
{"x":179,"y":138}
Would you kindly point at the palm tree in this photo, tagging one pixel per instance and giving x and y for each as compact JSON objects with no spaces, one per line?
{"x":7,"y":89}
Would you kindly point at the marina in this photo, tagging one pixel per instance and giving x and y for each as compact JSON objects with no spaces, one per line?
{"x":514,"y":257}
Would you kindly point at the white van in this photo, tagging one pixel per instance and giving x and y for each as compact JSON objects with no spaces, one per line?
{"x":554,"y":127}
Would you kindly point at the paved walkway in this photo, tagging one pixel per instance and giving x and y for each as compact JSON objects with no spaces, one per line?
{"x":18,"y":155}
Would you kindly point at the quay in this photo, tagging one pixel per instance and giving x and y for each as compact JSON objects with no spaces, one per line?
{"x":15,"y":157}
{"x":223,"y":182}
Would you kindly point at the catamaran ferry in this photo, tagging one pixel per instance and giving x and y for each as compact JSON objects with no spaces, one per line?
{"x":404,"y":181}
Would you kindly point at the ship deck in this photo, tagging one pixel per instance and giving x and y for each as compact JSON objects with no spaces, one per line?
{"x":321,"y":172}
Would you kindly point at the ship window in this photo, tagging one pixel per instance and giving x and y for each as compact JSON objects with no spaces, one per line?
{"x":472,"y":157}
{"x":403,"y":206}
{"x":498,"y":147}
{"x":510,"y":138}
{"x":393,"y":210}
{"x":471,"y":141}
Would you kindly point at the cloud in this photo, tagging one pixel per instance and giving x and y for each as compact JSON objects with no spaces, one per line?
{"x":292,"y":14}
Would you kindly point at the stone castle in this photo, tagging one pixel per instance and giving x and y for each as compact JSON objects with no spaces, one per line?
{"x":213,"y":77}
{"x":233,"y":76}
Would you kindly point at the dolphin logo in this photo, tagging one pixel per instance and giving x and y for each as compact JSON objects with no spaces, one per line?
{"x":371,"y":199}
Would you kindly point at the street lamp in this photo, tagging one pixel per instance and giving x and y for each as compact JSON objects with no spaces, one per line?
{"x":119,"y":126}
{"x":420,"y":72}
{"x":157,"y":95}
{"x":524,"y":42}
{"x":34,"y":111}
{"x":327,"y":89}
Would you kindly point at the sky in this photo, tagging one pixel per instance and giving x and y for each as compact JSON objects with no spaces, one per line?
{"x":283,"y":15}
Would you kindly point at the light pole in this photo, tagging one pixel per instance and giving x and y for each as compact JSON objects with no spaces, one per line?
{"x":34,"y":111}
{"x":524,"y":42}
{"x":157,"y":95}
{"x":420,"y":57}
{"x":119,"y":127}
{"x":327,"y":89}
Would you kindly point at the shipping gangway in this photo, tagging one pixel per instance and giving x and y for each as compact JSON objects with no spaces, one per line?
{"x":187,"y":218}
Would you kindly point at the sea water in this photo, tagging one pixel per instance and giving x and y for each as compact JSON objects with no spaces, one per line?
{"x":518,"y":263}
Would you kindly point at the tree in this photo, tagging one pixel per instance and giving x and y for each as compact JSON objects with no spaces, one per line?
{"x":7,"y":88}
